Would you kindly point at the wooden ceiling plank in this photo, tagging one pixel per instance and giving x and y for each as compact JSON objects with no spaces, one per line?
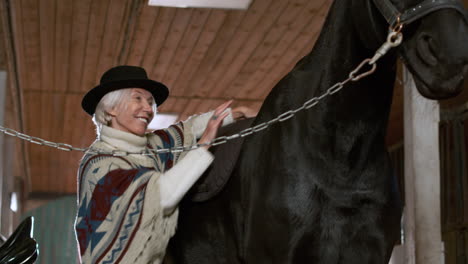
{"x":142,"y":36}
{"x":109,"y":51}
{"x":47,"y":127}
{"x":171,"y":43}
{"x":71,"y":114}
{"x":166,"y":105}
{"x":266,"y":57}
{"x":79,"y":37}
{"x":52,"y":169}
{"x":47,"y":42}
{"x":12,"y":28}
{"x":179,"y":106}
{"x":190,"y":109}
{"x":31,"y":116}
{"x":4,"y":37}
{"x":186,"y":47}
{"x":286,"y":66}
{"x":204,"y":106}
{"x":243,"y":55}
{"x":18,"y":35}
{"x":31,"y":70}
{"x":39,"y":165}
{"x":37,"y":180}
{"x":254,"y":18}
{"x":217,"y":102}
{"x":207,"y":105}
{"x":11,"y":119}
{"x":159,"y":34}
{"x":82,"y":135}
{"x":86,"y":134}
{"x":265,"y":47}
{"x":207,"y":37}
{"x":71,"y":187}
{"x":98,"y":16}
{"x":63,"y":27}
{"x":193,"y":82}
{"x":169,"y":108}
{"x":58,"y":157}
{"x":47,"y":48}
{"x":70,"y":176}
{"x":299,"y":48}
{"x":128,"y":27}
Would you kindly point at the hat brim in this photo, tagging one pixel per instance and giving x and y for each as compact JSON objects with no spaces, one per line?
{"x":92,"y":98}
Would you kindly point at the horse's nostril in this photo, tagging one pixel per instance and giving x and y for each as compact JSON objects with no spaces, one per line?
{"x":426,"y":49}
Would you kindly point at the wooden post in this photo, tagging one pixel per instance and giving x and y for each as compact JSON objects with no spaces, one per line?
{"x":3,"y":202}
{"x":423,"y":243}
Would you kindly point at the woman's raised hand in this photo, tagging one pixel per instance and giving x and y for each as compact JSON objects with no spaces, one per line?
{"x":215,"y":122}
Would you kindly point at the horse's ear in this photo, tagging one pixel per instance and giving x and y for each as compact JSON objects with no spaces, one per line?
{"x":369,"y":23}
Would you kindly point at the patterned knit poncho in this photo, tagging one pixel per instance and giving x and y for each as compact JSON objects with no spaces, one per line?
{"x":119,"y":218}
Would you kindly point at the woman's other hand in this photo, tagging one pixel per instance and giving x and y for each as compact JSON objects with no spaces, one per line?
{"x":215,"y":122}
{"x":243,"y":112}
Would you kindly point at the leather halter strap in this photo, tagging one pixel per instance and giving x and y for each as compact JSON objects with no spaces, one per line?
{"x":391,"y":13}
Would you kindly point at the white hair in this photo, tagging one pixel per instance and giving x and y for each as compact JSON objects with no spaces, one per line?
{"x":112,"y":100}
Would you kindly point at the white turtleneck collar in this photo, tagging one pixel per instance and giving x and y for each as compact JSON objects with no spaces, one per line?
{"x":122,"y":140}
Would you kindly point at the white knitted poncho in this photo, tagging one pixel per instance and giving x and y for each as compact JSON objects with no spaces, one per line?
{"x":121,"y":216}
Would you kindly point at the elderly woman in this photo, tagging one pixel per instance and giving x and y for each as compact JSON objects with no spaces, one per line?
{"x":127,"y":205}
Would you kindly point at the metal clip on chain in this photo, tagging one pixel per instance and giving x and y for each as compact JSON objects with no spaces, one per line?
{"x":394,"y":38}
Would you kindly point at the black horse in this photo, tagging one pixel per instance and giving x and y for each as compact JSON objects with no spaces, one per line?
{"x":319,"y":187}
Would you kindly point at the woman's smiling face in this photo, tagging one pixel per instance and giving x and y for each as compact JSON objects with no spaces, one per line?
{"x":134,"y":113}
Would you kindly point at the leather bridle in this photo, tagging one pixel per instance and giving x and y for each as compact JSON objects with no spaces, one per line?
{"x":395,"y":16}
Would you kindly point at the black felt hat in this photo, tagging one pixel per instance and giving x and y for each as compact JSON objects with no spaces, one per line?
{"x":121,"y":77}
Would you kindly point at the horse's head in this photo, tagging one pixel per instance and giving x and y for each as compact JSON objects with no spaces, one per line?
{"x":435,"y":40}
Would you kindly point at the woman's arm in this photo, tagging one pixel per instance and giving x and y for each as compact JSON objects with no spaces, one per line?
{"x":177,"y":181}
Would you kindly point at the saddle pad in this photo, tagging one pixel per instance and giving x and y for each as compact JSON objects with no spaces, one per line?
{"x":217,"y":175}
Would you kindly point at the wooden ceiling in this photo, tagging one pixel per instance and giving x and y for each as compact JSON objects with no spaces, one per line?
{"x":58,"y":49}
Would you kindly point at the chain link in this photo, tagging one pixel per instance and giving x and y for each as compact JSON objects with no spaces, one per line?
{"x":394,"y":39}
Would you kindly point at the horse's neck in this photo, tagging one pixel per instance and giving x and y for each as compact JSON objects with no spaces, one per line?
{"x":362,"y":107}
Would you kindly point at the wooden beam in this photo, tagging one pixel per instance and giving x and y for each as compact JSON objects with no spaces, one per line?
{"x":14,"y":87}
{"x":3,"y":153}
{"x":171,"y":43}
{"x":205,"y":42}
{"x":423,"y":242}
{"x":234,"y":44}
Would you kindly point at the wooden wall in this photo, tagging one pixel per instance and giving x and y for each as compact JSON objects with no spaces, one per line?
{"x":454,"y":188}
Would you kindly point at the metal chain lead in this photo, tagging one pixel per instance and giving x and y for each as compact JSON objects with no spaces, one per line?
{"x":394,"y":39}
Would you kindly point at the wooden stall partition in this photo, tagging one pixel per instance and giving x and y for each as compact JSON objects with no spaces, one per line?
{"x":454,"y":186}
